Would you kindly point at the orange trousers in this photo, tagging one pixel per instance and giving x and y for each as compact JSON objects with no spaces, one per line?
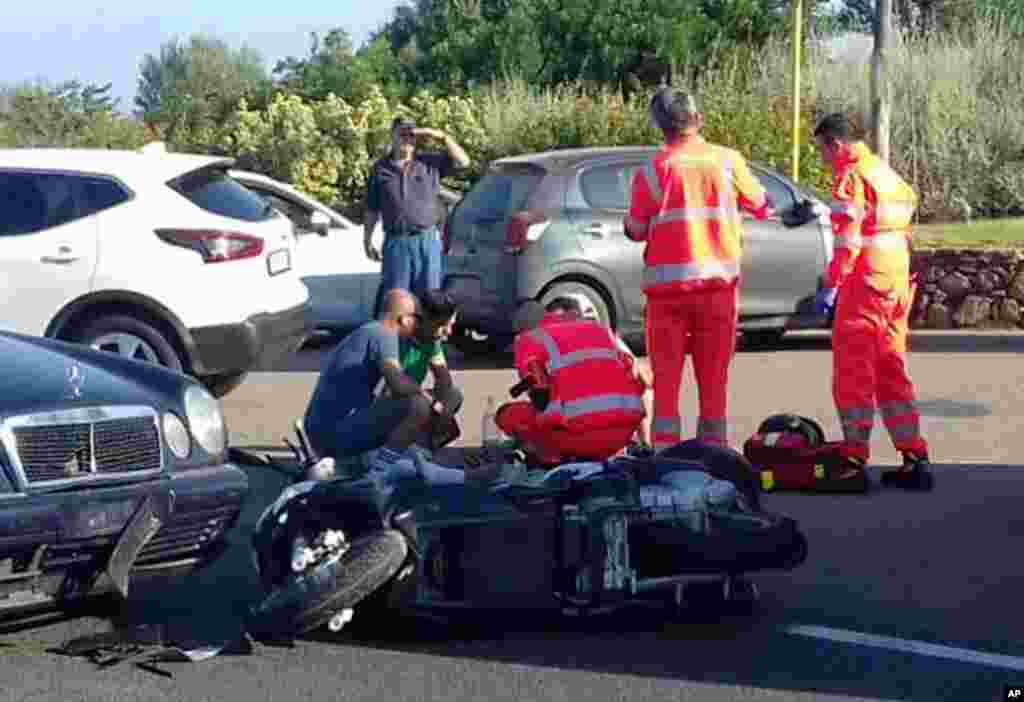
{"x":553,"y":446}
{"x":869,"y":342}
{"x":700,"y":324}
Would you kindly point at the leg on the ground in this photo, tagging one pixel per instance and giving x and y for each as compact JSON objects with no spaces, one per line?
{"x":897,"y":402}
{"x":854,"y":363}
{"x":668,"y":342}
{"x":395,"y":270}
{"x":714,"y":343}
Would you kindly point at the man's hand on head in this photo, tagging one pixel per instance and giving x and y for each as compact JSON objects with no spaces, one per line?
{"x":428,"y":132}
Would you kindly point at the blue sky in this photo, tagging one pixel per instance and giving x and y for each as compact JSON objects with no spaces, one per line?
{"x":63,"y":39}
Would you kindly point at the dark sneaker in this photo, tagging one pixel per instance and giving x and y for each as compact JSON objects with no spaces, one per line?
{"x":914,"y":475}
{"x":849,"y":475}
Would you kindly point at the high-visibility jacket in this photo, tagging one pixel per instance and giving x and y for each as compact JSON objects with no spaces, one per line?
{"x":686,"y":203}
{"x":872,"y":212}
{"x":589,"y":377}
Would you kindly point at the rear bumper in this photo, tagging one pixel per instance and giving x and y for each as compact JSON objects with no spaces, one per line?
{"x":259,"y":341}
{"x":55,"y":548}
{"x":487,"y":313}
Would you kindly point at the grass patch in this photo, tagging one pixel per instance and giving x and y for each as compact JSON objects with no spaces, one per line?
{"x":980,"y":234}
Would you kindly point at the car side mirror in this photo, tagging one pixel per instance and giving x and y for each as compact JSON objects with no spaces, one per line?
{"x":320,"y":223}
{"x":800,"y":214}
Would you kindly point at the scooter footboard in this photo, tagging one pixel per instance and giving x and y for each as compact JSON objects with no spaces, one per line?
{"x":663,"y":544}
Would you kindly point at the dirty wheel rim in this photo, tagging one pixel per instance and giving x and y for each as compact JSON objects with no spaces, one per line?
{"x":127,"y":345}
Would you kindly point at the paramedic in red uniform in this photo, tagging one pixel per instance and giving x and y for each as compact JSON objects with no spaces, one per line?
{"x":871,"y":218}
{"x":587,"y":401}
{"x":686,"y":204}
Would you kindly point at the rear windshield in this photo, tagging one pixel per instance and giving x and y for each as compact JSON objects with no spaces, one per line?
{"x":215,"y":191}
{"x":497,"y":196}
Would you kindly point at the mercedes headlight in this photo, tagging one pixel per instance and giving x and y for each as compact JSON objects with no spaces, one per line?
{"x":205,"y":419}
{"x":176,"y":435}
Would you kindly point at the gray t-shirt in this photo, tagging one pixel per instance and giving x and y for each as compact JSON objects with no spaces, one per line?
{"x":349,"y":376}
{"x":408,"y":199}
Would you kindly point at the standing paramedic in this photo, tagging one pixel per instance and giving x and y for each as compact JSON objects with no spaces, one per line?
{"x":686,"y":205}
{"x":871,"y":220}
{"x":403,"y":191}
{"x":586,"y":401}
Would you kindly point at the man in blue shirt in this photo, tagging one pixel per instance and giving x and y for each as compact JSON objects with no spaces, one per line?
{"x":402,"y":193}
{"x":346,"y":415}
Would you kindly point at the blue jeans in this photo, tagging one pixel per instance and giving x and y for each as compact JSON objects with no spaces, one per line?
{"x":410,"y":262}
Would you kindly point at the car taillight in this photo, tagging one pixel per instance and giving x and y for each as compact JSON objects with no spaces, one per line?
{"x":523,"y":229}
{"x":213,"y":245}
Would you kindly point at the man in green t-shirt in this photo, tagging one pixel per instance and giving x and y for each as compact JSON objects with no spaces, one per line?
{"x":425,"y":352}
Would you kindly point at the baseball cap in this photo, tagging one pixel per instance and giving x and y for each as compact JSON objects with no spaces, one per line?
{"x":403,"y":123}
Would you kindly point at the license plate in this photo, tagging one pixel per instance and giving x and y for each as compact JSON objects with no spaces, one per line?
{"x":279,"y":261}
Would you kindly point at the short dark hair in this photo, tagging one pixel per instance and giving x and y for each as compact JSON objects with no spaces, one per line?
{"x":834,"y":127}
{"x":438,"y":304}
{"x":569,"y":305}
{"x":673,"y":110}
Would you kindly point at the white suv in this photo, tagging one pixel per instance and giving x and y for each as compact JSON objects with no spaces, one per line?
{"x":157,"y":256}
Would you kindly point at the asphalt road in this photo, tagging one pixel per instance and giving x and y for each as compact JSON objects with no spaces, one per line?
{"x":926,"y":571}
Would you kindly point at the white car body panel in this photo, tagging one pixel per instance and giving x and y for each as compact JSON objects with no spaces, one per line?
{"x":341,"y":279}
{"x":116,"y":249}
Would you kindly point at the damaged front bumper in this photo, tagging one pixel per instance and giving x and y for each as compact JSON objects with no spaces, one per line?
{"x":59,"y":547}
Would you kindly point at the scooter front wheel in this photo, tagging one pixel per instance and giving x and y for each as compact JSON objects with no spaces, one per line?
{"x":310,"y":599}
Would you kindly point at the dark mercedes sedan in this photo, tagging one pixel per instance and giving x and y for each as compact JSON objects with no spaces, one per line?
{"x":544,"y":225}
{"x":111,"y":470}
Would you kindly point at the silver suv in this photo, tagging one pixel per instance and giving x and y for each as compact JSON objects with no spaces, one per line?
{"x":543,"y":225}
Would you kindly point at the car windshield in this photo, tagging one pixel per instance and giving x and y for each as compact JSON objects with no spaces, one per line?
{"x":215,"y":191}
{"x":496,"y":197}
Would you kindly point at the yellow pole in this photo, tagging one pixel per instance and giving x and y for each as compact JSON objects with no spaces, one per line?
{"x":797,"y":26}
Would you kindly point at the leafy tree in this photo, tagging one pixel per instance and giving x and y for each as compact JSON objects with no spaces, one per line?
{"x":193,"y":85}
{"x":70,"y":113}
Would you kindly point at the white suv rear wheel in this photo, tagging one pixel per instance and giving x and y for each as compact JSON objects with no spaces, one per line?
{"x":129,"y":337}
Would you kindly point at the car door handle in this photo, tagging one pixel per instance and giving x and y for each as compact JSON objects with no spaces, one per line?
{"x":65,"y":254}
{"x":596,"y":230}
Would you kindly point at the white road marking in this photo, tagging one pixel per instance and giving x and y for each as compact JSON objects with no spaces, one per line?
{"x":921,"y":648}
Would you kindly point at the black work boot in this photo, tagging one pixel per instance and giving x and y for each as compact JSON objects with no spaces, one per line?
{"x":849,"y":475}
{"x":914,"y":475}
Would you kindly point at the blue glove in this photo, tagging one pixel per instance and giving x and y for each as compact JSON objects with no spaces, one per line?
{"x":825,"y":300}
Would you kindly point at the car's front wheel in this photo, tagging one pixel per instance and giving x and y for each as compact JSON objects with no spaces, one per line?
{"x":129,"y":337}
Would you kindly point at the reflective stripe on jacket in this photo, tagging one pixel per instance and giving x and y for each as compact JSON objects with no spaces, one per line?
{"x":590,"y":378}
{"x":687,"y":200}
{"x":872,"y":214}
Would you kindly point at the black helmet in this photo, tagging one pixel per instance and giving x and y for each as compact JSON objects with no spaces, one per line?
{"x":793,"y":424}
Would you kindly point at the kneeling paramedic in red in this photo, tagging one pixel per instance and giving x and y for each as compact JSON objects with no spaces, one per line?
{"x":587,"y":398}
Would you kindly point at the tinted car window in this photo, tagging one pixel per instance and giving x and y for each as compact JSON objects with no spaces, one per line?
{"x":32,"y":202}
{"x":497,"y":196}
{"x":608,"y":187}
{"x":215,"y":191}
{"x":298,"y":214}
{"x":97,"y":194}
{"x":782,"y":197}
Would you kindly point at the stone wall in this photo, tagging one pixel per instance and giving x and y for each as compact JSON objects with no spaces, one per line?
{"x":968,"y":289}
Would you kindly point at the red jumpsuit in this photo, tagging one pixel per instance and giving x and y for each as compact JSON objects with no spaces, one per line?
{"x":871,"y":220}
{"x":595,"y":404}
{"x":686,"y":204}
